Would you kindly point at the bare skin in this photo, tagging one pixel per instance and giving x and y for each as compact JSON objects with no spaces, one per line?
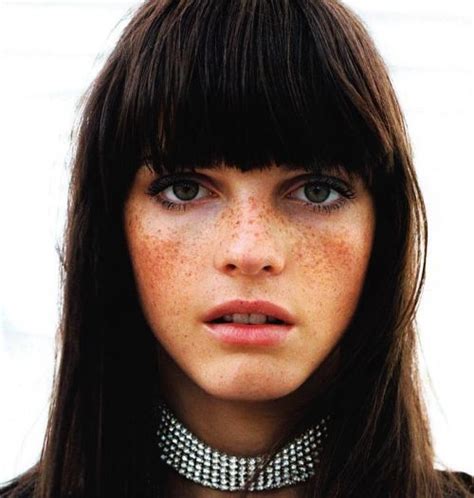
{"x":249,"y":236}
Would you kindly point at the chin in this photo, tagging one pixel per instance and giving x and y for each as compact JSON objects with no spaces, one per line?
{"x":249,"y":382}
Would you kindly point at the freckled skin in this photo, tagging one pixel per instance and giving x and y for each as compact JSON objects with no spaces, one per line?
{"x":245,"y":240}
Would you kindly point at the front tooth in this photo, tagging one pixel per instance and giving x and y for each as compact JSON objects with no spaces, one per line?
{"x":255,"y":318}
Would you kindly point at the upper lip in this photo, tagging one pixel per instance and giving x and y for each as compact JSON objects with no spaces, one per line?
{"x":241,"y":306}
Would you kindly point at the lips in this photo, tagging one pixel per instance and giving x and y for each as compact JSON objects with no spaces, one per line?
{"x":240,"y":306}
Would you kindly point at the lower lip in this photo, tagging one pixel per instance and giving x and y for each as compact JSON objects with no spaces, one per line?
{"x":249,"y":334}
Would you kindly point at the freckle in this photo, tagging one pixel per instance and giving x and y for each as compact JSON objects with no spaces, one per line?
{"x":299,"y":254}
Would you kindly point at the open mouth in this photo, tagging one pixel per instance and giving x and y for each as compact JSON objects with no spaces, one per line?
{"x":247,"y":313}
{"x":249,"y":318}
{"x":254,"y":329}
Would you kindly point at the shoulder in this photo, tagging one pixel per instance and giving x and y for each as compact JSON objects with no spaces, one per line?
{"x":21,"y":486}
{"x":467,"y":479}
{"x":16,"y":489}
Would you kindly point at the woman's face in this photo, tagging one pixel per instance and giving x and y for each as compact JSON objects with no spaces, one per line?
{"x":292,"y":238}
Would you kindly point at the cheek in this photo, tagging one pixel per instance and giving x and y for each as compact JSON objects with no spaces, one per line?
{"x":333,"y":263}
{"x":161,"y":272}
{"x":159,"y":265}
{"x":333,"y":253}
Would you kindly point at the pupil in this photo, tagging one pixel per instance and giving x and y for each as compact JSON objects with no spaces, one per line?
{"x":185,"y":191}
{"x":317,"y":193}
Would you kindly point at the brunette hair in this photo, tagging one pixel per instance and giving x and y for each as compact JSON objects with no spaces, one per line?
{"x":248,"y":83}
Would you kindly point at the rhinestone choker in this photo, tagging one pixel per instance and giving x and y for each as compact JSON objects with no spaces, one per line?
{"x":194,"y":460}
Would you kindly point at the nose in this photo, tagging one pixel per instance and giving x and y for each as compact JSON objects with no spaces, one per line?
{"x":250,"y":243}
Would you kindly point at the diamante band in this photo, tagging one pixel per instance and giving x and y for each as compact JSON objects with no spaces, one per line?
{"x":194,"y":460}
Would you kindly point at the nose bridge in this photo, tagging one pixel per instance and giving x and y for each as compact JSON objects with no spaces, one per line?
{"x":251,"y":213}
{"x":249,"y":240}
{"x":251,"y":218}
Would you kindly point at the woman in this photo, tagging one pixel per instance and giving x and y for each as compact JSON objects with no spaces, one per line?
{"x":245,"y":162}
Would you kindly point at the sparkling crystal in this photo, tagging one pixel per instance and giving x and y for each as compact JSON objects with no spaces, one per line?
{"x":196,"y":461}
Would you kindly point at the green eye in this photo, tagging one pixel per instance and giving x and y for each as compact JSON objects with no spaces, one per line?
{"x":317,"y":193}
{"x":321,"y":194}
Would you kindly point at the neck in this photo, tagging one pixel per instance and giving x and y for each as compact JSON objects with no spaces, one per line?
{"x":236,"y":427}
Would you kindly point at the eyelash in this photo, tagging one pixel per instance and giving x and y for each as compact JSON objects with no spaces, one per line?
{"x":161,"y":184}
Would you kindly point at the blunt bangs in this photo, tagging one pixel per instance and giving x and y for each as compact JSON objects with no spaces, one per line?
{"x":249,"y":84}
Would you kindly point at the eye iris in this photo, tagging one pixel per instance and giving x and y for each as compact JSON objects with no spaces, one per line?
{"x":185,"y":191}
{"x":317,"y":193}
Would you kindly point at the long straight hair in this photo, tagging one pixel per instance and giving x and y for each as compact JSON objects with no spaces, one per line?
{"x":248,"y":83}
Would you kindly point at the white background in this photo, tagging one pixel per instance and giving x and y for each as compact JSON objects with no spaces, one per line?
{"x":49,"y":53}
